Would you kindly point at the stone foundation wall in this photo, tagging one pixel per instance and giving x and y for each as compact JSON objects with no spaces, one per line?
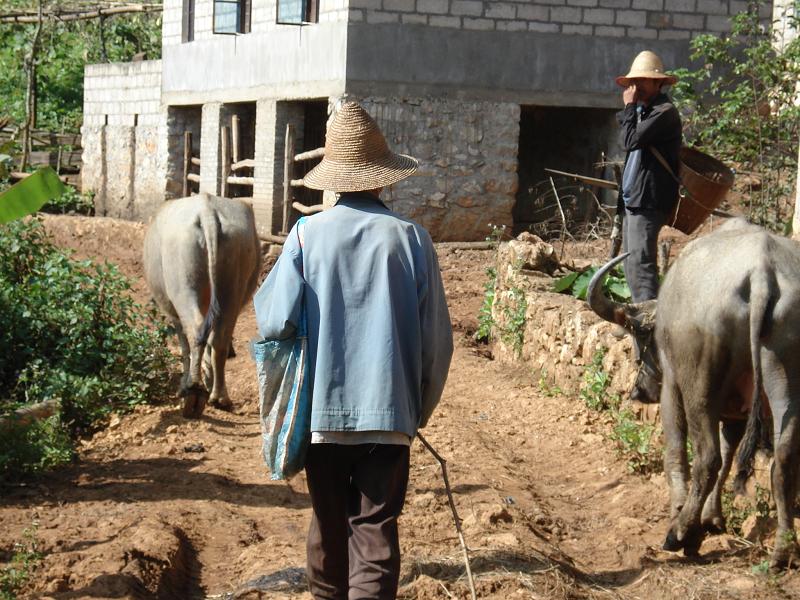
{"x":467,"y":154}
{"x":124,"y":137}
{"x":561,"y":334}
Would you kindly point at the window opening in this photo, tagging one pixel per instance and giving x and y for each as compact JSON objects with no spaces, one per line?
{"x":188,"y":21}
{"x":297,"y":12}
{"x":232,"y":16}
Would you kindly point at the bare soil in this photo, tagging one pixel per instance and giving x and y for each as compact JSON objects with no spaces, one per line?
{"x":157,"y":506}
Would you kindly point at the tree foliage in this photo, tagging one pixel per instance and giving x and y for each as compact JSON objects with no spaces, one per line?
{"x":65,"y":48}
{"x":741,"y":105}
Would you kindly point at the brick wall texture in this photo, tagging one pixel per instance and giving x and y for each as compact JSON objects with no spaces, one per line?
{"x":642,"y":19}
{"x":125,"y":138}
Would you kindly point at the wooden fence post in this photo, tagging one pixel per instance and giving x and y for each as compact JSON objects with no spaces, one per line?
{"x":187,"y":160}
{"x":288,"y":164}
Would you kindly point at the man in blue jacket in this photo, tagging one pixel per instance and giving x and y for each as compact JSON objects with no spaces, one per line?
{"x":650,"y":127}
{"x":380,"y":344}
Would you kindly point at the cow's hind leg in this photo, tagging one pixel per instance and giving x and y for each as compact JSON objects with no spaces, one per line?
{"x":220,"y":344}
{"x":192,"y":390}
{"x":676,"y":466}
{"x":730,"y":435}
{"x":782,"y":384}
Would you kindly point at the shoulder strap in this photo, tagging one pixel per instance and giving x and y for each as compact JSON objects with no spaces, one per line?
{"x":660,"y":158}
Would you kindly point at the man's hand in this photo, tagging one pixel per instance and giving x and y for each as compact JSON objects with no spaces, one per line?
{"x":629,"y":95}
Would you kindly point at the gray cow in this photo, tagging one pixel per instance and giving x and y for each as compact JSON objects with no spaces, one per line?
{"x":727,"y":341}
{"x":201,"y":261}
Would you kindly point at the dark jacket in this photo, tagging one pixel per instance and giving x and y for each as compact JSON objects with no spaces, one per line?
{"x":649,"y":185}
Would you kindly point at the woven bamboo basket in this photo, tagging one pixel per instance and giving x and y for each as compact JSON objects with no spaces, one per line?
{"x":705,"y":181}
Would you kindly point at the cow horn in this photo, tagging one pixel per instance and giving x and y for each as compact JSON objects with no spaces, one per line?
{"x":605,"y":307}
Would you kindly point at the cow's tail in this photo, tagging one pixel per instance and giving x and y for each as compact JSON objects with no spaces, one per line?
{"x":209,"y":223}
{"x":760,"y":301}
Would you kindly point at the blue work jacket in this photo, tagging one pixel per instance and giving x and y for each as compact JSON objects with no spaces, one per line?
{"x":379,"y":334}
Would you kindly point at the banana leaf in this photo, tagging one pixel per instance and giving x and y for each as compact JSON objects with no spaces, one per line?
{"x":29,"y":195}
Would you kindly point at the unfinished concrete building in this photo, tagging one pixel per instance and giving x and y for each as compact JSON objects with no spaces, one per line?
{"x":486,"y":94}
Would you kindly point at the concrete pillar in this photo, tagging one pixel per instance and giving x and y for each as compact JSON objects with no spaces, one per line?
{"x":215,"y":115}
{"x":271,"y":120}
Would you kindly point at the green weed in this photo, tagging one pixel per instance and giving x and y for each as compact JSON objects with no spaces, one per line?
{"x":485,"y":319}
{"x":16,"y":574}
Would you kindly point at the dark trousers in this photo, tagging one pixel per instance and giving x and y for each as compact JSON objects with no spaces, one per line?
{"x":640,"y":238}
{"x":357,"y":494}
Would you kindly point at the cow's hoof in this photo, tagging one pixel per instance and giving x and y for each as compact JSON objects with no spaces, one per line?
{"x":784,"y":554}
{"x":672,"y":543}
{"x":222,"y":404}
{"x":714,"y":526}
{"x":194,"y":402}
{"x":692,"y":542}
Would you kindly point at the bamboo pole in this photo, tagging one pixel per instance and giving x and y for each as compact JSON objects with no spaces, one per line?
{"x":226,"y":162}
{"x":233,"y":179}
{"x":187,"y":160}
{"x":288,"y":163}
{"x":308,"y":210}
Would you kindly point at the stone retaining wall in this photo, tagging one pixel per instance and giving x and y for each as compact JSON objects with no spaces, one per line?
{"x":561,"y":334}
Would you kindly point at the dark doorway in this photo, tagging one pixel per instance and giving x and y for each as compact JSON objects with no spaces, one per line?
{"x":566,"y":139}
{"x":242,"y":140}
{"x":315,"y":119}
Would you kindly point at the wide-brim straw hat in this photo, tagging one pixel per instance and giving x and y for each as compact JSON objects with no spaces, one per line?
{"x":646,"y":65}
{"x":357,"y":157}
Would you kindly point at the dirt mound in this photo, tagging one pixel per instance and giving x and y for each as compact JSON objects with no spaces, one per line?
{"x":160,"y":507}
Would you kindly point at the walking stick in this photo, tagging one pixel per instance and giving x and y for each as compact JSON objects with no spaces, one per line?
{"x":457,"y":521}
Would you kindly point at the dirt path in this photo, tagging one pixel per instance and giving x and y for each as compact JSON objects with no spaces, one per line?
{"x":161,"y":507}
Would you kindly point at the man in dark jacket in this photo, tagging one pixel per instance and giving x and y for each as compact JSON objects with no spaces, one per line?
{"x":651,"y":126}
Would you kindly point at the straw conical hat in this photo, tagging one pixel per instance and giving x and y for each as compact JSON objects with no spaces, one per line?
{"x":646,"y":65}
{"x":356,"y":156}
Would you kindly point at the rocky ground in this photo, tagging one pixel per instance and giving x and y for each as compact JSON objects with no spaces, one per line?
{"x":160,"y":507}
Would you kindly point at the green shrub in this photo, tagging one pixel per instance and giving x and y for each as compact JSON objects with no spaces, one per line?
{"x":70,"y":331}
{"x":485,"y":319}
{"x":636,"y":442}
{"x":512,"y":329}
{"x":594,"y":391}
{"x":71,"y":202}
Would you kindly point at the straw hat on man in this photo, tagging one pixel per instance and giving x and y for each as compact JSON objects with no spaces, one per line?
{"x":380,"y":344}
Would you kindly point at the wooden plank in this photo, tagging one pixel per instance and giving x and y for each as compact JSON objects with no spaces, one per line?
{"x":18,"y":175}
{"x":195,"y":161}
{"x":308,"y":210}
{"x":247,"y":163}
{"x":193,"y":177}
{"x":297,"y":182}
{"x":50,"y":158}
{"x":232,"y":179}
{"x":316,"y":153}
